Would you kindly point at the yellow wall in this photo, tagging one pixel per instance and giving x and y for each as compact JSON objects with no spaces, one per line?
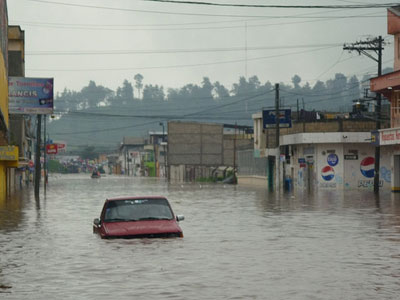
{"x":3,"y":90}
{"x":4,"y":111}
{"x":3,"y":182}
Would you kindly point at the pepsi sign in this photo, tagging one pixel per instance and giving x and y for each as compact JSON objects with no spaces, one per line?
{"x":332,"y":159}
{"x":327,"y":173}
{"x":367,"y":167}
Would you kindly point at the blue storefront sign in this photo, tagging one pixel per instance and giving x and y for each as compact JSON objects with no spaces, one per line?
{"x":30,"y":95}
{"x":332,"y":159}
{"x":269,"y":120}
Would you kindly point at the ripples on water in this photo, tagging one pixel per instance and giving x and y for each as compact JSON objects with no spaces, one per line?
{"x":239,"y":243}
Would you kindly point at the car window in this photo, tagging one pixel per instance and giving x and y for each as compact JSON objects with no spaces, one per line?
{"x":137,"y":209}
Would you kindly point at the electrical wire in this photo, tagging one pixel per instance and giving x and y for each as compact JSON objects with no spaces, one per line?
{"x":351,"y":6}
{"x":182,"y":13}
{"x":147,"y":123}
{"x":180,"y":66}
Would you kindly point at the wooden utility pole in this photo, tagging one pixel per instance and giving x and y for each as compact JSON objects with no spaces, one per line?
{"x":364,"y":47}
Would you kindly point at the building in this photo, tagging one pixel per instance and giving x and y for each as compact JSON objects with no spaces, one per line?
{"x":8,"y":153}
{"x":198,"y":150}
{"x":158,"y":147}
{"x":319,"y":154}
{"x":130,"y":155}
{"x":389,"y":86}
{"x":20,"y":125}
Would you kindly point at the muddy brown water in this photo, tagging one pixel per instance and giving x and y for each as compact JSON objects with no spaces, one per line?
{"x":240,"y":243}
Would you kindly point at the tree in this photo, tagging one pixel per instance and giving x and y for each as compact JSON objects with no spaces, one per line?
{"x":125,"y":93}
{"x":153,"y":93}
{"x":139,"y":85}
{"x":353,"y":88}
{"x":296,"y":81}
{"x":221,"y":91}
{"x":206,"y":88}
{"x":95,"y":94}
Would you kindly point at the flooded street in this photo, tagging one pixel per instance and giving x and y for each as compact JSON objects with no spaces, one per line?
{"x":240,"y":243}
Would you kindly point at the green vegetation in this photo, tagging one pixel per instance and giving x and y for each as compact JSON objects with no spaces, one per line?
{"x":102,"y":117}
{"x":56,"y":167}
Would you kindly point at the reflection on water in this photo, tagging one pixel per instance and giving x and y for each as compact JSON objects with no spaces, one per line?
{"x":239,"y":243}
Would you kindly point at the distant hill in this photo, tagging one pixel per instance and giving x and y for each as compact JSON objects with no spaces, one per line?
{"x":101,"y":117}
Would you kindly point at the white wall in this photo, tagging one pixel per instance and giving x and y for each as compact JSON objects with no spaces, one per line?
{"x":346,"y":174}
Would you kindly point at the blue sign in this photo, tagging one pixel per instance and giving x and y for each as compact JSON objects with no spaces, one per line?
{"x":375,"y":138}
{"x":332,"y":159}
{"x":30,"y":95}
{"x":285,"y":119}
{"x":302,"y":160}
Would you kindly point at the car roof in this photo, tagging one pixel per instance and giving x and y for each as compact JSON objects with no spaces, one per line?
{"x":135,"y":198}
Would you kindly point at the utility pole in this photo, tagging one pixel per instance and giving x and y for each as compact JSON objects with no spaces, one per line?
{"x":37,"y":156}
{"x":278,"y":161}
{"x":277,"y":115}
{"x":44,"y":155}
{"x":364,"y":47}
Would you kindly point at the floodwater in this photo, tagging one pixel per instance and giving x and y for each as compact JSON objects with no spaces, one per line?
{"x":240,"y":243}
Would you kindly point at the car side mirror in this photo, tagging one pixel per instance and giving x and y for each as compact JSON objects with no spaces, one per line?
{"x":96,"y":222}
{"x":180,"y":218}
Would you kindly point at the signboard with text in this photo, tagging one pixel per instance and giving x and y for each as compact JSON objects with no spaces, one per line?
{"x":30,"y":95}
{"x":8,"y":153}
{"x":52,"y":149}
{"x":389,"y":137}
{"x":269,"y":120}
{"x":61,"y":147}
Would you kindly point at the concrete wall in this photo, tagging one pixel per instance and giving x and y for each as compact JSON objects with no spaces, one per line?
{"x":195,"y":144}
{"x":354,"y":169}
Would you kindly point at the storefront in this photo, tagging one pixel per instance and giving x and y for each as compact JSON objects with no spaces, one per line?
{"x":8,"y":159}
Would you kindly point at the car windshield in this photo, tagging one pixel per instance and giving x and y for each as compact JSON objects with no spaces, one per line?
{"x":138,"y":209}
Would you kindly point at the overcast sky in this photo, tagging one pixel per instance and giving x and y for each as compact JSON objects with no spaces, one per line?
{"x":176,"y":44}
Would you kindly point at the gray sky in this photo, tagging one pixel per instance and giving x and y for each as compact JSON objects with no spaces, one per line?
{"x":175,"y":44}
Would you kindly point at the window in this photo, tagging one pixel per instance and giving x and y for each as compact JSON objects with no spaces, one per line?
{"x":138,"y":209}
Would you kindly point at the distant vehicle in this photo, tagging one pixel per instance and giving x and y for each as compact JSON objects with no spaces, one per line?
{"x":95,"y":174}
{"x":138,"y":217}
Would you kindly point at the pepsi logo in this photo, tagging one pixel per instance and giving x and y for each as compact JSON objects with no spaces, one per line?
{"x":332,"y":159}
{"x":367,"y":167}
{"x":327,"y":173}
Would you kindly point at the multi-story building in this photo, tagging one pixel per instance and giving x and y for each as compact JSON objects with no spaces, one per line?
{"x":20,"y":125}
{"x":389,"y":86}
{"x":8,"y":154}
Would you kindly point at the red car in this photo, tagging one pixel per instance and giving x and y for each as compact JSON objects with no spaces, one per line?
{"x":138,"y":217}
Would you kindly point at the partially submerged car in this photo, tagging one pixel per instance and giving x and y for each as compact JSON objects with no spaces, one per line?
{"x":138,"y":217}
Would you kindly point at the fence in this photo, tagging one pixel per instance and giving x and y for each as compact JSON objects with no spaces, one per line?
{"x":248,"y":165}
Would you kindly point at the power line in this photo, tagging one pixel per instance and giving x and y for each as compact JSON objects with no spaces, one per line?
{"x":166,"y":118}
{"x":179,"y":66}
{"x":141,"y":10}
{"x":174,"y":51}
{"x":188,"y":14}
{"x":350,"y":6}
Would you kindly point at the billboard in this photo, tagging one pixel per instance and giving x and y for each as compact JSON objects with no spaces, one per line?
{"x":51,"y":148}
{"x":30,"y":95}
{"x":285,"y":120}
